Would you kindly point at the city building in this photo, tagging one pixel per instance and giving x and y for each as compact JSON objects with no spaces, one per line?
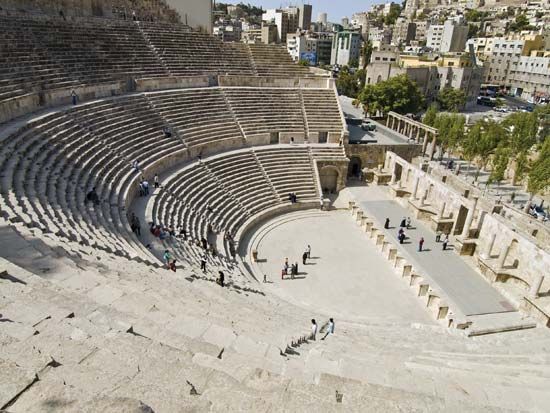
{"x":432,"y":73}
{"x":315,"y":48}
{"x":403,"y":32}
{"x":304,"y":21}
{"x":448,"y":37}
{"x":530,"y":78}
{"x":380,"y":36}
{"x":269,"y":33}
{"x":286,"y":20}
{"x":346,"y":47}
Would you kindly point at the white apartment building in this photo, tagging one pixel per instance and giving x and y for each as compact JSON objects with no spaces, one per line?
{"x":434,"y":36}
{"x":530,"y":78}
{"x":346,"y":47}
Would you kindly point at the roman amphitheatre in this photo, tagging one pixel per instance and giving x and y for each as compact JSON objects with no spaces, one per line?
{"x":92,"y":320}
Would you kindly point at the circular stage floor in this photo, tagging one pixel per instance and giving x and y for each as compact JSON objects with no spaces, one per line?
{"x":346,"y":278}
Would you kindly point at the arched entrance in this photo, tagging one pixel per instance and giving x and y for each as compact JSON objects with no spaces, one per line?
{"x":355,"y":166}
{"x":329,"y":179}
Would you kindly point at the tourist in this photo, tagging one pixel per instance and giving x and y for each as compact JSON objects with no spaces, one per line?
{"x":330,"y":328}
{"x":183,"y":233}
{"x":145,"y":187}
{"x":204,"y":258}
{"x":265,"y":278}
{"x":167,"y":258}
{"x":420,"y":244}
{"x":438,"y":236}
{"x":135,"y":225}
{"x":291,"y":140}
{"x":221,"y":279}
{"x":92,"y":196}
{"x":313,"y":329}
{"x":445,"y":244}
{"x":156,"y":181}
{"x":408,"y":222}
{"x":387,"y":223}
{"x":141,"y":189}
{"x":173,"y":265}
{"x":292,"y":271}
{"x":308,"y":251}
{"x":204,"y":243}
{"x":167,"y":132}
{"x":74,"y":97}
{"x":402,"y":237}
{"x":403,"y":223}
{"x":283,"y":273}
{"x":135,"y":165}
{"x":304,"y":258}
{"x":400,"y":232}
{"x":296,"y":268}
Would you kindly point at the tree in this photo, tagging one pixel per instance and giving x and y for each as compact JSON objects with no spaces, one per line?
{"x":391,"y":17}
{"x":481,"y":141}
{"x":354,"y":63}
{"x":539,"y":175}
{"x":451,"y":99}
{"x":350,"y":84}
{"x":430,"y":115}
{"x":398,"y":94}
{"x":520,"y":23}
{"x":522,"y":167}
{"x":366,"y":52}
{"x":303,"y":62}
{"x":451,"y":131}
{"x":500,"y":164}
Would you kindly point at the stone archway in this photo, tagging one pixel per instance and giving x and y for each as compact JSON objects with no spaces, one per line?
{"x":329,"y":176}
{"x":355,"y":166}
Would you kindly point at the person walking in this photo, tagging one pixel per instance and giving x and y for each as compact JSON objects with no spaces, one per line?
{"x":387,"y":223}
{"x":403,"y":223}
{"x":74,"y":97}
{"x":313,"y":329}
{"x":204,"y":258}
{"x":304,"y":257}
{"x":330,"y":328}
{"x":438,"y":236}
{"x":308,"y":251}
{"x":286,"y":266}
{"x":408,"y":222}
{"x":445,"y":241}
{"x":420,"y":244}
{"x":156,"y":181}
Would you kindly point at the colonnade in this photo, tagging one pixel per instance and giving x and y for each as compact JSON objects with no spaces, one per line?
{"x":416,"y":131}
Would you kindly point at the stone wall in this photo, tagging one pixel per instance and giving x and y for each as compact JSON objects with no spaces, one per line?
{"x":249,"y":81}
{"x":524,"y":261}
{"x":372,"y":155}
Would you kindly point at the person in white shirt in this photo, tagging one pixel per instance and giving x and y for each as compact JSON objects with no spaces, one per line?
{"x":313,"y":329}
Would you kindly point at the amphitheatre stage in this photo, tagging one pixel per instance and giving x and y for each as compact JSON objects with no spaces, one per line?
{"x":94,"y":109}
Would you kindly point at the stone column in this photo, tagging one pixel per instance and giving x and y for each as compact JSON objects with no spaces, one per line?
{"x":469,"y":219}
{"x":424,"y":198}
{"x":442,"y":210}
{"x":487,"y":253}
{"x":415,"y":187}
{"x":502,"y":257}
{"x":432,"y":147}
{"x":425,"y":142}
{"x":393,"y":175}
{"x":535,"y":287}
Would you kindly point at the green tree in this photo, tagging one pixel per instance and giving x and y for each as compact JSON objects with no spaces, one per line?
{"x":366,"y":52}
{"x":539,"y":175}
{"x":303,"y":62}
{"x":451,"y":99}
{"x":451,"y":131}
{"x":350,"y":84}
{"x":473,"y":30}
{"x":522,"y":167}
{"x":500,"y":164}
{"x":398,"y":94}
{"x":430,"y":115}
{"x":520,"y":23}
{"x":391,"y":17}
{"x":481,"y":141}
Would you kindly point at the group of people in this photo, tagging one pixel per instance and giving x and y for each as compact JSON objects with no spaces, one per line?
{"x":314,"y":329}
{"x":294,"y":267}
{"x":406,"y":223}
{"x":160,"y":231}
{"x":169,"y":261}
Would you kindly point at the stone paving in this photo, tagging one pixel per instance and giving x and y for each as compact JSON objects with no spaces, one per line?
{"x":470,"y":292}
{"x":346,"y":278}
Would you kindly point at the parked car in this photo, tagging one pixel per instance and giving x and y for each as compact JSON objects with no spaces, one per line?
{"x":368,"y":125}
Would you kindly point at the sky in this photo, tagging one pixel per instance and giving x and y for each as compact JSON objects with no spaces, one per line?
{"x":336,"y":9}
